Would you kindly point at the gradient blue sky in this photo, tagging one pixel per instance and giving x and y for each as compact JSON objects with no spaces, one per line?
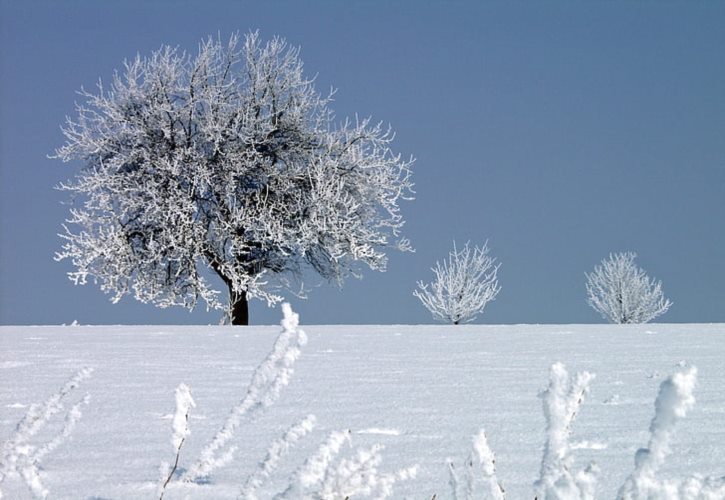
{"x":559,"y":131}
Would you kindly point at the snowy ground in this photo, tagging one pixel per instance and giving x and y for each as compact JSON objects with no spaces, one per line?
{"x":422,"y":391}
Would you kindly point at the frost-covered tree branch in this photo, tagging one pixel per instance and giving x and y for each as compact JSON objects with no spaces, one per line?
{"x":227,"y":160}
{"x":621,"y":292}
{"x":463,"y":285}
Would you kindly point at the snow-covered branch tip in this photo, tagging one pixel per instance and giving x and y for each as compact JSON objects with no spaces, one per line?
{"x":562,"y":400}
{"x":21,"y":458}
{"x":179,"y":432}
{"x":277,"y":450}
{"x":478,"y":478}
{"x":358,"y":476}
{"x":315,"y":468}
{"x":674,"y":400}
{"x":268,"y":380}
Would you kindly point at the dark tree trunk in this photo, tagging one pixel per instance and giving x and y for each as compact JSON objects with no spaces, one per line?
{"x":239,"y":307}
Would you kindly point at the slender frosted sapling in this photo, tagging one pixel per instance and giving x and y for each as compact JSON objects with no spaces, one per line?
{"x":228,"y":160}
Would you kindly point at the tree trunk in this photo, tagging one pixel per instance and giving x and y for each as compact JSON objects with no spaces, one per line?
{"x":239,"y":307}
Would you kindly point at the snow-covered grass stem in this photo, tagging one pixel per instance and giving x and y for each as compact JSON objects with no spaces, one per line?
{"x":674,"y":400}
{"x":313,"y":470}
{"x":180,"y":431}
{"x":268,"y":380}
{"x":21,"y":457}
{"x":478,"y":478}
{"x":562,"y":400}
{"x":278,"y":449}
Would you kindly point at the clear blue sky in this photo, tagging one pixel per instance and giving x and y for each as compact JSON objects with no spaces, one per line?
{"x":559,"y":131}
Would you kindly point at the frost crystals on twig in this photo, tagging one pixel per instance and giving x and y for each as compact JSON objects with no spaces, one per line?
{"x":21,"y":457}
{"x":480,"y":468}
{"x":180,"y":431}
{"x":320,"y":478}
{"x":562,"y":400}
{"x":268,"y":380}
{"x":674,"y":400}
{"x":276,"y":451}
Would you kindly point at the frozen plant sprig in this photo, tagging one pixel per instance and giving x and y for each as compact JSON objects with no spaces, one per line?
{"x":674,"y":400}
{"x":359,"y":476}
{"x":479,"y":468}
{"x":180,"y":431}
{"x":562,"y":400}
{"x":321,"y":477}
{"x":278,"y":449}
{"x":268,"y":380}
{"x":313,"y":470}
{"x":19,"y":456}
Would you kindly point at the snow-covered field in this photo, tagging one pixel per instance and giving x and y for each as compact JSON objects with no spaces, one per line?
{"x":421,"y":391}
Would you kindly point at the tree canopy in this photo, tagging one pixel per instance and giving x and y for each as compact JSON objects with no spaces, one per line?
{"x":228,"y":160}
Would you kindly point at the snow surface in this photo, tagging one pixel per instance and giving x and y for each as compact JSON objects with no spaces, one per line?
{"x":422,"y":391}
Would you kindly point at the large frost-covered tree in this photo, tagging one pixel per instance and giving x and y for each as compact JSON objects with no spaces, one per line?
{"x":622,"y":292}
{"x":463,"y":285}
{"x":228,"y":160}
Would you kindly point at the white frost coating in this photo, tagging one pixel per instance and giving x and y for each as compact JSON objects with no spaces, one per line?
{"x":674,"y":400}
{"x":313,"y":471}
{"x":21,"y":458}
{"x":353,"y":476}
{"x":30,"y":474}
{"x":387,"y":481}
{"x":622,"y":292}
{"x":359,"y":476}
{"x":479,"y":474}
{"x":179,"y":432}
{"x":454,"y":481}
{"x":702,"y":488}
{"x":276,"y":451}
{"x":321,"y":479}
{"x":487,"y":461}
{"x":228,"y":159}
{"x":380,"y":431}
{"x":562,"y":400}
{"x":69,"y":425}
{"x":180,"y":422}
{"x":463,"y":285}
{"x":268,"y":380}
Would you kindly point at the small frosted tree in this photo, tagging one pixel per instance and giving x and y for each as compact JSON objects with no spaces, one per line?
{"x":463,"y":285}
{"x":229,"y":161}
{"x":622,"y":292}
